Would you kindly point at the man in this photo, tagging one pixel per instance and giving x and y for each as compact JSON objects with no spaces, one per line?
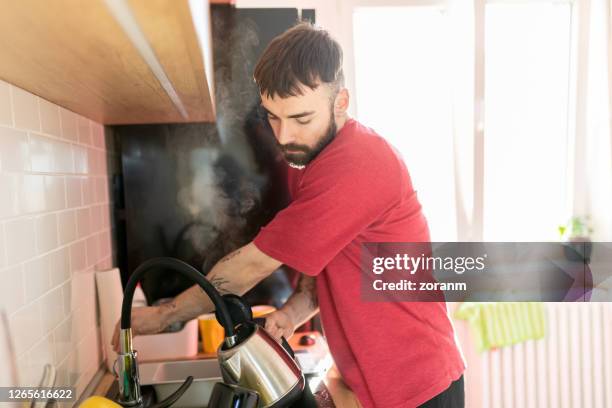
{"x":348,"y":186}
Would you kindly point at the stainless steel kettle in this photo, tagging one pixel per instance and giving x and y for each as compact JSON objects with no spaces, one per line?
{"x":258,"y":361}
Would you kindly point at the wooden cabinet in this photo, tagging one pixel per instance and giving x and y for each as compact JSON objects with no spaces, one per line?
{"x":113,"y":61}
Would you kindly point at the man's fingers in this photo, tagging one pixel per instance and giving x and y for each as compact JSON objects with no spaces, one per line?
{"x":272,"y":328}
{"x":269,"y":326}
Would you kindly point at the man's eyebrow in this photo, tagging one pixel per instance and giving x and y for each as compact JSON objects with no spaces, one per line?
{"x":300,"y":115}
{"x":295,"y":116}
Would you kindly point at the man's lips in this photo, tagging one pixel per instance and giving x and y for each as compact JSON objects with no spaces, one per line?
{"x":293,"y":149}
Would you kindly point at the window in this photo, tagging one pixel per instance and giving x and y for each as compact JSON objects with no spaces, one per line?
{"x":403,"y":93}
{"x":527,"y":63}
{"x":407,"y":79}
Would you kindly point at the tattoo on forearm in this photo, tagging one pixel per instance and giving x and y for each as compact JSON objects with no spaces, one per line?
{"x":219,"y":282}
{"x":230,"y":256}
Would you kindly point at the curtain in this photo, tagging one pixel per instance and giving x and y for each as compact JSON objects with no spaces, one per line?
{"x":592,"y":184}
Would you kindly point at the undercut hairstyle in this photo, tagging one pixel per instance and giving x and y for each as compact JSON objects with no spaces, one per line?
{"x":302,"y":55}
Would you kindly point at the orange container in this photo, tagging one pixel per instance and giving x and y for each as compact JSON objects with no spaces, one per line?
{"x":262,"y":310}
{"x":212,"y":333}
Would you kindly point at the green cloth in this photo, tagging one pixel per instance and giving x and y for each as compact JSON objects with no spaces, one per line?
{"x":499,"y":324}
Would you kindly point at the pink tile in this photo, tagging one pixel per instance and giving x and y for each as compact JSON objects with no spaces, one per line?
{"x":55,"y":193}
{"x":83,"y":222}
{"x":96,"y":218}
{"x":97,"y":131}
{"x":19,"y":240}
{"x":100,"y":159}
{"x":100,"y":185}
{"x":62,"y":157}
{"x":92,"y":251}
{"x":32,"y":192}
{"x":69,"y":125}
{"x":106,"y":221}
{"x":78,"y":257}
{"x":6,"y":112}
{"x":9,"y":204}
{"x":12,"y":292}
{"x":104,"y":245}
{"x":52,"y":309}
{"x":104,"y":264}
{"x":26,"y":327}
{"x":92,"y":160}
{"x":103,"y":162}
{"x":84,"y":129}
{"x":37,"y":277}
{"x":41,"y":153}
{"x":60,"y":268}
{"x":46,"y":233}
{"x":14,"y":150}
{"x":25,"y":109}
{"x":49,"y":118}
{"x":105,"y":191}
{"x":67,"y":225}
{"x":98,"y":190}
{"x":89,"y":192}
{"x":73,"y":192}
{"x":81,"y":165}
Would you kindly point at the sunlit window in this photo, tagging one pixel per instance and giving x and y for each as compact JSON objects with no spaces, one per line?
{"x":405,"y":81}
{"x":527,"y":62}
{"x":403,"y":92}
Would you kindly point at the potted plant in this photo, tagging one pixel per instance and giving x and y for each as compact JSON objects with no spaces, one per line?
{"x":576,"y":235}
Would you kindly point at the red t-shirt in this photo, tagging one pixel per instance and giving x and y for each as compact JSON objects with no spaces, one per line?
{"x":391,"y":354}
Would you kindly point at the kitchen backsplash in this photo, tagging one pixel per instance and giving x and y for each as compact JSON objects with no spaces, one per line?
{"x":55,"y":231}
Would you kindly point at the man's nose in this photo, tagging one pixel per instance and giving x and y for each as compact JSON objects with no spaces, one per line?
{"x":285,"y":134}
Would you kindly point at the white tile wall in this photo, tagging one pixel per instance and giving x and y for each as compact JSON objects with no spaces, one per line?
{"x":55,"y":231}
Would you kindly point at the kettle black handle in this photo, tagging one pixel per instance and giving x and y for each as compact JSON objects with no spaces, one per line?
{"x":262,"y":322}
{"x":239,"y":310}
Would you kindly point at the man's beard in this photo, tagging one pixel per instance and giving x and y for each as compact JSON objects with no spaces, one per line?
{"x":307,"y":154}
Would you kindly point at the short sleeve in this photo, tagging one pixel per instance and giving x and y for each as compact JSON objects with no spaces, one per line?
{"x":337,"y":199}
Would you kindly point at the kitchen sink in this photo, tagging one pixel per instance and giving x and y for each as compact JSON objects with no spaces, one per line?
{"x":160,"y":379}
{"x":166,"y":376}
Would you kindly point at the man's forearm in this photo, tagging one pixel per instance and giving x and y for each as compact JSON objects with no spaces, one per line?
{"x":236,"y":273}
{"x":303,"y":304}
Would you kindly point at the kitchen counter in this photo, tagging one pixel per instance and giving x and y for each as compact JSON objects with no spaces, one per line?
{"x":328,"y":389}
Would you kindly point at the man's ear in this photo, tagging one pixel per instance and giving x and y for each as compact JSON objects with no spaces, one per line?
{"x":341,"y":103}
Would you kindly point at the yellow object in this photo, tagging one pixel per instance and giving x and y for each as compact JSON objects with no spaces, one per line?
{"x":99,"y":402}
{"x":500,"y":324}
{"x":262,"y":310}
{"x":211,"y":331}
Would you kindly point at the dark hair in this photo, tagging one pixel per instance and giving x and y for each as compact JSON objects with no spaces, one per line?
{"x":303,"y":54}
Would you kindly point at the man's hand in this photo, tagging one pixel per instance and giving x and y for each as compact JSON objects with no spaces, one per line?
{"x":279,"y":324}
{"x":145,"y":320}
{"x":301,"y":306}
